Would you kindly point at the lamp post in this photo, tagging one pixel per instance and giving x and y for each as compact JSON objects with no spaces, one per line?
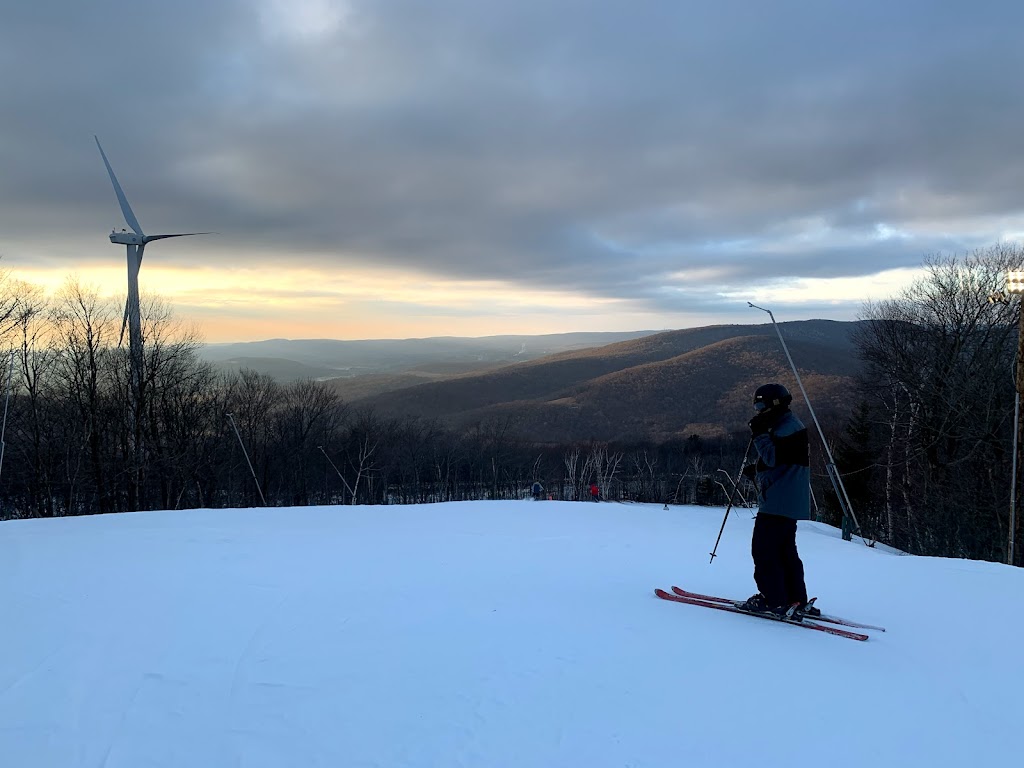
{"x":1015,"y":285}
{"x":850,"y":524}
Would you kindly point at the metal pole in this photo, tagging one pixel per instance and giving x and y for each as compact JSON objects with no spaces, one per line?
{"x":338,"y":471}
{"x":7,"y":400}
{"x":735,"y":490}
{"x":231,"y":418}
{"x":830,"y":467}
{"x":1016,"y":432}
{"x":1013,"y":481}
{"x":1013,"y":285}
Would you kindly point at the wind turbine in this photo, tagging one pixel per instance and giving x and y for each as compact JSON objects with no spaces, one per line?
{"x":135,"y":241}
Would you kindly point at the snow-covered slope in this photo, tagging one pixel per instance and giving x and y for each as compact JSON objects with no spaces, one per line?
{"x":485,"y":635}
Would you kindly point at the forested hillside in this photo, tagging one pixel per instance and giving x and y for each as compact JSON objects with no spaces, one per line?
{"x":668,"y":385}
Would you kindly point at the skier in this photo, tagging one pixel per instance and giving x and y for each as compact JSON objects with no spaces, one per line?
{"x":537,"y":490}
{"x":595,"y":492}
{"x":782,"y":475}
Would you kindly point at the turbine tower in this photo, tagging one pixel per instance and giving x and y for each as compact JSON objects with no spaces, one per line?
{"x":135,"y":241}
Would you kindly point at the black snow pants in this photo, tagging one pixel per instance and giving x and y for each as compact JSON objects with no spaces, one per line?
{"x":778,"y":572}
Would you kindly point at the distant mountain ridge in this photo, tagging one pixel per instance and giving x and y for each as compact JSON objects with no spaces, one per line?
{"x":288,"y":360}
{"x":641,"y":385}
{"x":661,"y":386}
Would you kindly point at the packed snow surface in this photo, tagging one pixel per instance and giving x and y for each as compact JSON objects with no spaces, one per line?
{"x":486,"y":635}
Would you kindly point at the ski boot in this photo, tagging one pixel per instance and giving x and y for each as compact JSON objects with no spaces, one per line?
{"x":756,"y":604}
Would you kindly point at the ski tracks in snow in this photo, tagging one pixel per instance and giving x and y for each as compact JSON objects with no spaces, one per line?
{"x":249,"y":646}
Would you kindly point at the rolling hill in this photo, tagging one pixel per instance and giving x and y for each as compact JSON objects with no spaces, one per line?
{"x":671,"y":384}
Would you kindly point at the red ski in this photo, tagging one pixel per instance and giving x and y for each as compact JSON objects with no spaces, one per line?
{"x":822,"y":617}
{"x":806,"y":624}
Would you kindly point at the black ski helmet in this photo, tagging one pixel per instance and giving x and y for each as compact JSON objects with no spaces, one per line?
{"x":772,"y":395}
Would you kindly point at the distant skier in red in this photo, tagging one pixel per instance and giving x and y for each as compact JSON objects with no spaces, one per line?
{"x":595,"y":492}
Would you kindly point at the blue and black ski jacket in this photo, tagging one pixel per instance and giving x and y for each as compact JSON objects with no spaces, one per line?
{"x":783,"y":469}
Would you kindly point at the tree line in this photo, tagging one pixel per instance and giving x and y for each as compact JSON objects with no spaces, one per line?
{"x":76,"y":442}
{"x":926,"y":455}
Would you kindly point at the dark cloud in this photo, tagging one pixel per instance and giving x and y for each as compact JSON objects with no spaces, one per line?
{"x":601,"y":146}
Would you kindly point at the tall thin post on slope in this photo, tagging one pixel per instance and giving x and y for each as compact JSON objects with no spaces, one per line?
{"x":1013,"y":480}
{"x":231,"y":418}
{"x":348,"y":487}
{"x":830,"y":466}
{"x":1014,"y":286}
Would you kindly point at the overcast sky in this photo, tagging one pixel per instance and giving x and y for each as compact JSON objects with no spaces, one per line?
{"x":466,"y":167}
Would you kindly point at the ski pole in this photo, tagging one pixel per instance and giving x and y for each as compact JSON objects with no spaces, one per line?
{"x":732,"y":496}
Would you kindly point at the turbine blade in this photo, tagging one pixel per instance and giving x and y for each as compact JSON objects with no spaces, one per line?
{"x":150,"y":238}
{"x":126,"y":209}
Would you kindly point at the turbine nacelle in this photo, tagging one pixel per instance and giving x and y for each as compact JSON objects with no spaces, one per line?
{"x":124,"y":237}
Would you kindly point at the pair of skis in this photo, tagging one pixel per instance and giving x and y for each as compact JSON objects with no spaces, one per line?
{"x":725,"y":604}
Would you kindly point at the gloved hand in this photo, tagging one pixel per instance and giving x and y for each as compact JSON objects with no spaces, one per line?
{"x":750,"y":471}
{"x":760,"y":424}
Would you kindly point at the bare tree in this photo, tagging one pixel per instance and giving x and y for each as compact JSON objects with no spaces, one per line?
{"x":572,"y":461}
{"x":645,"y":465}
{"x":444,"y":453}
{"x":361,"y":449}
{"x":939,"y":363}
{"x":310,"y":415}
{"x":84,"y":330}
{"x":37,"y":419}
